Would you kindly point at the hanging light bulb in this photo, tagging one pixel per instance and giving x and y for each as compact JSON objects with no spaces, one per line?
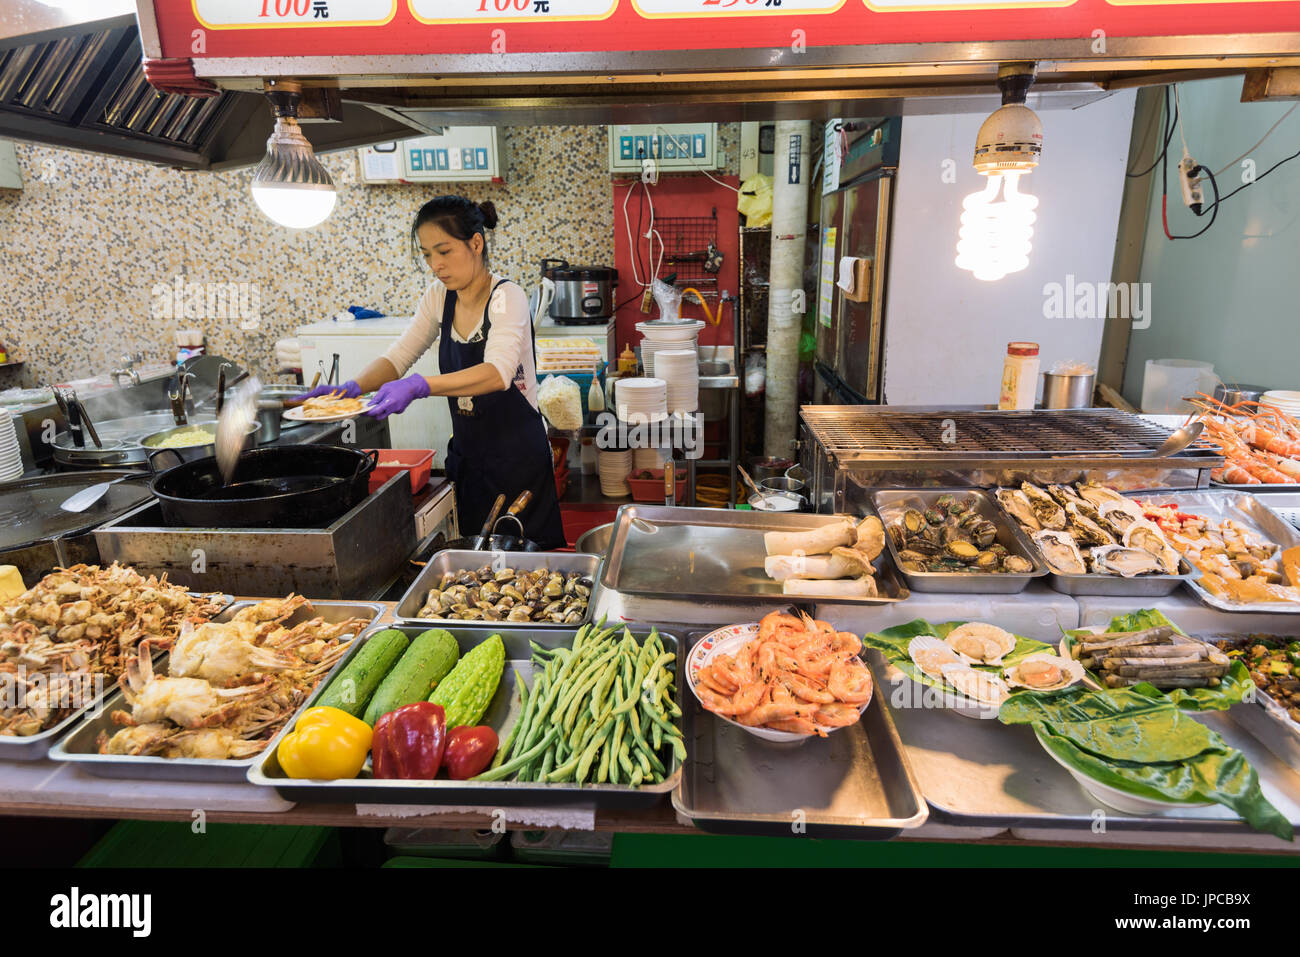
{"x":290,"y":185}
{"x":994,"y":238}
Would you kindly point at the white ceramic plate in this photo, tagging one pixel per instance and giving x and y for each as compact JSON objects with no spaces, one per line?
{"x":727,"y":641}
{"x":1117,"y":799}
{"x":296,"y":415}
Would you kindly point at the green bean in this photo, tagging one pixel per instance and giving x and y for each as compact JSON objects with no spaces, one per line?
{"x":514,"y":729}
{"x":637,"y":777}
{"x":660,"y":722}
{"x":589,"y":755}
{"x":548,"y":762}
{"x":659,"y":662}
{"x":525,"y":724}
{"x":642,"y":760}
{"x":602,"y":774}
{"x":601,"y":691}
{"x":657,"y":735}
{"x":579,"y":732}
{"x":513,"y":765}
{"x":655,"y":763}
{"x":625,"y":759}
{"x":566,"y":709}
{"x":614,"y":744}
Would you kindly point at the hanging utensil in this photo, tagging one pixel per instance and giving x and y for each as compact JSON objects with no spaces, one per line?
{"x":221,"y":386}
{"x":87,"y":425}
{"x":1180,"y":439}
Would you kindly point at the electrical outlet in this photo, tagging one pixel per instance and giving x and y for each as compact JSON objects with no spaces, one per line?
{"x":1190,"y":183}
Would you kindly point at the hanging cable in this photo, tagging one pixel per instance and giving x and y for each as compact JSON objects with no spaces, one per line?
{"x":1229,"y":165}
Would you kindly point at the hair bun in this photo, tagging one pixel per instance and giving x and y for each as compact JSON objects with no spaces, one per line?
{"x":489,"y":211}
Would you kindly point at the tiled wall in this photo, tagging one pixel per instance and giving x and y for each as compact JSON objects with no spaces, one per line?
{"x":90,"y":241}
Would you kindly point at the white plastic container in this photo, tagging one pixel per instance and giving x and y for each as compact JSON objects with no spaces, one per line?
{"x":1019,"y":376}
{"x":1166,"y":381}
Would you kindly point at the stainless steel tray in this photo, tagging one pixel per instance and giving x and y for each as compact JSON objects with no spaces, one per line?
{"x":34,"y":747}
{"x":1269,"y":487}
{"x":501,"y":714}
{"x":1265,"y":717}
{"x":889,"y":506}
{"x":983,"y":773}
{"x":81,"y":747}
{"x":855,"y":783}
{"x":702,"y":554}
{"x":1114,"y":586}
{"x":450,"y":560}
{"x":1251,"y":512}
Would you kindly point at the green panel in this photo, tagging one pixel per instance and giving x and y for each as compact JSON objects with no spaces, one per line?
{"x":174,"y":844}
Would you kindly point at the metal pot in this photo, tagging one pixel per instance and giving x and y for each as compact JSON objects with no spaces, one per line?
{"x":583,"y":294}
{"x":768,"y":466}
{"x":1234,"y":392}
{"x":595,"y":541}
{"x":291,"y":487}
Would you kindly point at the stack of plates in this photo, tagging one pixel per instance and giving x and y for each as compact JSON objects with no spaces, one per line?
{"x":680,"y":369}
{"x":11,"y":459}
{"x":1288,"y":402}
{"x":651,"y":458}
{"x":666,"y":335}
{"x":614,"y":468}
{"x":641,"y":400}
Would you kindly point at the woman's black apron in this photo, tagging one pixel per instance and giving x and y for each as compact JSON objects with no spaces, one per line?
{"x":497,"y":445}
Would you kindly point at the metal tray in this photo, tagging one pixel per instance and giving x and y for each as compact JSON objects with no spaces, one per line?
{"x":35,"y":747}
{"x":501,"y":714}
{"x":983,"y":773}
{"x":1268,"y":487}
{"x":701,"y":554}
{"x":450,"y":560}
{"x":1114,"y":586}
{"x":1251,"y":512}
{"x":889,"y":506}
{"x":855,"y":783}
{"x":1265,"y":717}
{"x":81,"y":747}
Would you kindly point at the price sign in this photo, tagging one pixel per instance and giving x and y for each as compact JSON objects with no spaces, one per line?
{"x":243,"y":14}
{"x":509,"y":11}
{"x":724,"y":8}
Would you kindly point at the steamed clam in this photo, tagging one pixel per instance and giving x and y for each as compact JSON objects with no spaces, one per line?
{"x":509,"y":594}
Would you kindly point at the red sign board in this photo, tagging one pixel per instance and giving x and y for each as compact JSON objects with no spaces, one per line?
{"x":331,"y":28}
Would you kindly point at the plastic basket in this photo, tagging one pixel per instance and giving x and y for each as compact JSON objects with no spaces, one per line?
{"x":652,"y":489}
{"x":419,"y":462}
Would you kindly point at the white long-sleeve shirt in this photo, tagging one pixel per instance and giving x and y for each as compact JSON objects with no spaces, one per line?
{"x":509,"y":341}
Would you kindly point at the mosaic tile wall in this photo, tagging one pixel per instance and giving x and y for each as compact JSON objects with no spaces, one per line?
{"x":92,"y":247}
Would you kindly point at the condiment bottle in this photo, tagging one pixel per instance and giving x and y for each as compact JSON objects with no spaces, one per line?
{"x":627,"y":361}
{"x":1019,"y":376}
{"x":595,"y":394}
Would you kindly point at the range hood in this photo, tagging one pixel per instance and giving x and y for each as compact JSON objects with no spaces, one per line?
{"x":78,"y":83}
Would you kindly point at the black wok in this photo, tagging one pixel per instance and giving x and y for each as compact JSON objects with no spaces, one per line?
{"x":291,"y":487}
{"x":490,"y":539}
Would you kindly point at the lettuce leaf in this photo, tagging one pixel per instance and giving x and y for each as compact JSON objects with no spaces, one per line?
{"x":1233,"y":687}
{"x":1138,"y":741}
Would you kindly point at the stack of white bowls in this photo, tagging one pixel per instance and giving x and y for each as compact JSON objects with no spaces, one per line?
{"x":650,"y":458}
{"x":658,"y":335}
{"x":680,"y":368}
{"x":1288,"y":402}
{"x":641,"y":400}
{"x":11,"y":458}
{"x":614,"y":468}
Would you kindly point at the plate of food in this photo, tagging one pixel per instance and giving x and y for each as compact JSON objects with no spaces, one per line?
{"x":783,"y":679}
{"x":328,"y":408}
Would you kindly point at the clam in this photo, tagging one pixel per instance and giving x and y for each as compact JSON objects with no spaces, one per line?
{"x":504,"y":606}
{"x":554,"y":587}
{"x":447,"y":580}
{"x":554,"y":608}
{"x":520,"y":613}
{"x":490,"y":591}
{"x":504,"y":574}
{"x":491,"y":614}
{"x":583,"y":588}
{"x":573,"y":617}
{"x":510,"y":591}
{"x":534,"y":593}
{"x":473,"y":614}
{"x":460,"y":610}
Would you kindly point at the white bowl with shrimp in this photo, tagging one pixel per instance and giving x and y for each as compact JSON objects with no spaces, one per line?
{"x":728,"y":641}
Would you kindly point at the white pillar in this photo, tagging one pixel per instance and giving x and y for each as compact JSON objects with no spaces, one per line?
{"x":789,"y":223}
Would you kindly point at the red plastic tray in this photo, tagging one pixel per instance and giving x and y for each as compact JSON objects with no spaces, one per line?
{"x":419,"y":462}
{"x":652,"y":489}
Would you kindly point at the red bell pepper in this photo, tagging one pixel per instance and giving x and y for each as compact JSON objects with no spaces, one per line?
{"x":409,"y":743}
{"x":470,"y":751}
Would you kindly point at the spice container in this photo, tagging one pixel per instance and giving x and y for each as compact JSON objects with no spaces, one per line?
{"x":1019,"y":376}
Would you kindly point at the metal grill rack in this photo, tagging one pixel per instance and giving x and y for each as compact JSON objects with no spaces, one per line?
{"x":848,"y":450}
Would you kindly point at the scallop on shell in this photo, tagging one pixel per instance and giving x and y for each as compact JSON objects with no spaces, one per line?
{"x":981,"y":643}
{"x":931,"y":654}
{"x":1044,"y":672}
{"x":1060,"y":551}
{"x":1127,"y":562}
{"x":1148,"y":537}
{"x":977,"y":685}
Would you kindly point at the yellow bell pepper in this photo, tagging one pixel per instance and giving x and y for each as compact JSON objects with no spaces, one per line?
{"x":325,"y":744}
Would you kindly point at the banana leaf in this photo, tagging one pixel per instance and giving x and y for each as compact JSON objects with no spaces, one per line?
{"x":892,"y":643}
{"x":1137,"y":740}
{"x":1234,"y":686}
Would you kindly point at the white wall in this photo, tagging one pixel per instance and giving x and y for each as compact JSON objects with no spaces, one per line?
{"x":946,"y":332}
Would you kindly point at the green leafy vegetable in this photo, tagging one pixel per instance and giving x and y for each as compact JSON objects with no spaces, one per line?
{"x":1233,"y":686}
{"x":1138,"y":741}
{"x":892,"y":643}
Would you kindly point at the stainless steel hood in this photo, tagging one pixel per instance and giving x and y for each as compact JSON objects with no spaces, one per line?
{"x":79,"y":84}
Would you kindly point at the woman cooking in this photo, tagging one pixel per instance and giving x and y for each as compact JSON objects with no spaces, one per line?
{"x":487,"y":372}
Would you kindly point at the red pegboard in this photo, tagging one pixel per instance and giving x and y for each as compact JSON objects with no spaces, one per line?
{"x":676,"y":197}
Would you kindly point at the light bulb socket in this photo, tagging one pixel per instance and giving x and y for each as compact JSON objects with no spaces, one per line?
{"x":1015,"y":79}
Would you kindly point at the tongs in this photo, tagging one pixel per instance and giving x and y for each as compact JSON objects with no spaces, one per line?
{"x":79,"y":424}
{"x":177,"y":398}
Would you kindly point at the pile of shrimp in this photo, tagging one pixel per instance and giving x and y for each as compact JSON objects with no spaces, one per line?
{"x":798,"y":675}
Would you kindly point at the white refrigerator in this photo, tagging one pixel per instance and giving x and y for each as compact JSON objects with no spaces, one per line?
{"x":426,"y":423}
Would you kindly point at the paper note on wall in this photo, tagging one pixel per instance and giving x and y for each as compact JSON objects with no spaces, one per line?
{"x":826,"y":285}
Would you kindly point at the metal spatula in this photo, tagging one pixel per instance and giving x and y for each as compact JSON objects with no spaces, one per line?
{"x":238,"y":414}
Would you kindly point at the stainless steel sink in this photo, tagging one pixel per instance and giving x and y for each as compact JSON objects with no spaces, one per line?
{"x":715,"y":368}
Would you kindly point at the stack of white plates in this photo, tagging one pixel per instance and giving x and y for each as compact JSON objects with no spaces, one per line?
{"x":614,"y":468}
{"x":641,"y":400}
{"x":11,"y":459}
{"x":1288,"y":402}
{"x":666,"y":335}
{"x":651,"y":458}
{"x":681,"y":370}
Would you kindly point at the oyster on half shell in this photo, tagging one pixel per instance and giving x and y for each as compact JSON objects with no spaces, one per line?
{"x":1061,"y":552}
{"x":1047,"y":510}
{"x":1128,"y":562}
{"x":1016,"y":504}
{"x":1148,"y":537}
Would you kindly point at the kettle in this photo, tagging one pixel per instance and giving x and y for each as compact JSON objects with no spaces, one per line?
{"x":541,"y":300}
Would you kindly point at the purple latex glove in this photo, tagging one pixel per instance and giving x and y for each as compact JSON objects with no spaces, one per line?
{"x":350,"y":390}
{"x":394,"y":397}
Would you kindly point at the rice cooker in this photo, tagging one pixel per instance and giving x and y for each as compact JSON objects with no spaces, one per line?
{"x":583,"y":295}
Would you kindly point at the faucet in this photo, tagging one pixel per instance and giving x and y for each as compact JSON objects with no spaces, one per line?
{"x":128,"y":362}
